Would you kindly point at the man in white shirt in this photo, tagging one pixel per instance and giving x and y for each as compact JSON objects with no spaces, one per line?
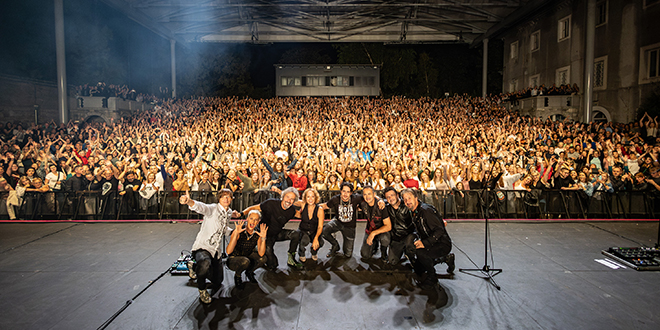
{"x":206,"y":249}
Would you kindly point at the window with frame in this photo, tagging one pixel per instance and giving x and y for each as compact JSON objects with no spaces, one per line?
{"x":534,"y":80}
{"x":564,"y":28}
{"x":601,"y":12}
{"x":563,"y":76}
{"x":650,"y":3}
{"x":653,"y":63}
{"x":514,"y":50}
{"x":600,"y":73}
{"x":513,"y":85}
{"x":535,"y":41}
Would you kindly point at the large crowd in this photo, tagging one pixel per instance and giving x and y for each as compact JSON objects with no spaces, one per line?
{"x":250,"y":145}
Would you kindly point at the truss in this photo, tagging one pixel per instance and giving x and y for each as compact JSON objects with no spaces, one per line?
{"x":406,"y":21}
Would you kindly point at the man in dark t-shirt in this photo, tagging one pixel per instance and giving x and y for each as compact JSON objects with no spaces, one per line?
{"x":345,"y":206}
{"x":378,"y":226}
{"x":275,"y":214}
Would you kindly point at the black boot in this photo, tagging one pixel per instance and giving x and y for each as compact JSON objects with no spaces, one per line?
{"x":238,"y":281}
{"x":451,"y":263}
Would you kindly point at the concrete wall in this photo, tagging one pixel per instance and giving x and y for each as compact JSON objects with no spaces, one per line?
{"x":18,"y":96}
{"x":630,"y":26}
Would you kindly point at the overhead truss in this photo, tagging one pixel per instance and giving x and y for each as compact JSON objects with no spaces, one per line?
{"x":407,"y":21}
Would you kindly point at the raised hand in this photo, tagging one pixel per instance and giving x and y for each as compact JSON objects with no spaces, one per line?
{"x":184,"y":199}
{"x":240,"y":227}
{"x":263,"y":230}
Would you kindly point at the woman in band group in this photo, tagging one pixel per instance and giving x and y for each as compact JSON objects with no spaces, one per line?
{"x":311,"y":224}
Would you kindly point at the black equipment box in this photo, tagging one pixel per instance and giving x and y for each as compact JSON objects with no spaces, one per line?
{"x":637,"y":258}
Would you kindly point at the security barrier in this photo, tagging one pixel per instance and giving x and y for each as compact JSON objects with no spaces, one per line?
{"x":454,"y":204}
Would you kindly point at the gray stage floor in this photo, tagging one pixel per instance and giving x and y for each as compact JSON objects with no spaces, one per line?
{"x":77,"y":276}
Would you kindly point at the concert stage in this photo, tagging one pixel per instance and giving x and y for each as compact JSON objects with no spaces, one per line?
{"x":78,"y":275}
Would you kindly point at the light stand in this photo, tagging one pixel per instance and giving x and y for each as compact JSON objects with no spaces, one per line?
{"x":485,"y":272}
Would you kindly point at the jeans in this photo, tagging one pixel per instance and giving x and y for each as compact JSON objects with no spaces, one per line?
{"x":347,"y":232}
{"x":239,"y":264}
{"x":367,"y":251}
{"x":399,"y":247}
{"x":425,"y":263}
{"x":284,"y":235}
{"x":207,"y":266}
{"x":306,"y":238}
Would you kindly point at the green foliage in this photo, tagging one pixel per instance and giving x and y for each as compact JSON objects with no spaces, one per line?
{"x":215,"y":72}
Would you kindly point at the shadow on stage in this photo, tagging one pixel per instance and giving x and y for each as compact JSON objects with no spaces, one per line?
{"x":277,"y":298}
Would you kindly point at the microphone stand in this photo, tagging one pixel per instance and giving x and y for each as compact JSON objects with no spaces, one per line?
{"x":485,"y":272}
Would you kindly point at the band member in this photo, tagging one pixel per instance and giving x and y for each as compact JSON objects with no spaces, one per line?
{"x":311,"y":224}
{"x":401,"y":235}
{"x":377,"y":231}
{"x":206,"y":248}
{"x":241,"y":248}
{"x":345,"y":206}
{"x":275,"y":214}
{"x":432,"y":241}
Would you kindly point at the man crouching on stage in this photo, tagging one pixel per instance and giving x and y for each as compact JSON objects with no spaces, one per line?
{"x":242,"y":255}
{"x":206,"y":249}
{"x":432,"y":240}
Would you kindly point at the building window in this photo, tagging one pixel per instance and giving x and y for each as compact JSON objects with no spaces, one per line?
{"x":600,"y":73}
{"x":601,"y":12}
{"x":370,"y":81}
{"x":535,"y":41}
{"x":514,"y":50}
{"x":653,"y":62}
{"x":564,"y":28}
{"x":534,"y":80}
{"x":563,"y":76}
{"x":650,"y":3}
{"x":358,"y":81}
{"x":513,"y":85}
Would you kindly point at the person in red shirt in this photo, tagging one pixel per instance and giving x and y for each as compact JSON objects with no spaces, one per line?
{"x":410,"y":181}
{"x":299,"y":179}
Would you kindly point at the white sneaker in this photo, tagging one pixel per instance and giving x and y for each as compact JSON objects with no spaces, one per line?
{"x":302,"y":259}
{"x":314,"y":257}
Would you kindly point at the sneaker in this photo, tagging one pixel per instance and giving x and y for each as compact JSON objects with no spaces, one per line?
{"x":204,"y":296}
{"x":451,"y":263}
{"x":250,"y":276}
{"x":292,"y":261}
{"x":315,"y":257}
{"x":238,"y":281}
{"x":303,"y":259}
{"x":191,"y":271}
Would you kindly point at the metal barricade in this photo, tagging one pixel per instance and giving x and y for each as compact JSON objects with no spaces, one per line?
{"x":455,"y":204}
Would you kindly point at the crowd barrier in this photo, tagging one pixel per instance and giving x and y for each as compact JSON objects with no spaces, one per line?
{"x":454,"y":204}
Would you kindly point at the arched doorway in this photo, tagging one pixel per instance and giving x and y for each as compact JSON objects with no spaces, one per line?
{"x":600,"y":114}
{"x":95,"y":119}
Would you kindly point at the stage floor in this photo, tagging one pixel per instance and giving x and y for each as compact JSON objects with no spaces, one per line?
{"x":78,"y":275}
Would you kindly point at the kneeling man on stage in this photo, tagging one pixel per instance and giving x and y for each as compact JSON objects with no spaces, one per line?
{"x":206,"y":249}
{"x":241,"y":248}
{"x":432,"y":241}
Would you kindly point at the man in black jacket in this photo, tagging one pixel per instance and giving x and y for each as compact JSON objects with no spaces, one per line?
{"x":432,"y":240}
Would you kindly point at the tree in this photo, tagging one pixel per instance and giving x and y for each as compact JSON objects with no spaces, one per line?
{"x":398,"y":64}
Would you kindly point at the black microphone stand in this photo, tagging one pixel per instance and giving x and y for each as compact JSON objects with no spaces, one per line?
{"x":485,"y":272}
